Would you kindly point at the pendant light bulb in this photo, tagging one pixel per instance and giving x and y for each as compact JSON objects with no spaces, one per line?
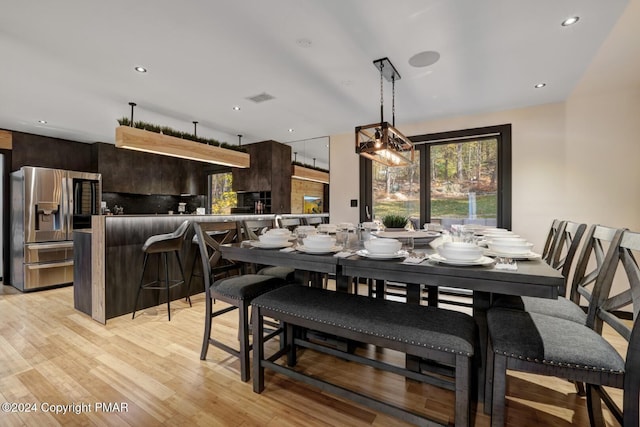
{"x":378,"y":139}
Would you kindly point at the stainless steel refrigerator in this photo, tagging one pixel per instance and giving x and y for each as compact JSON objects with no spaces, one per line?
{"x":47,"y":205}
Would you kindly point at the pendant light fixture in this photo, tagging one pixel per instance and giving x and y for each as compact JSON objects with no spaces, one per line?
{"x":382,"y":142}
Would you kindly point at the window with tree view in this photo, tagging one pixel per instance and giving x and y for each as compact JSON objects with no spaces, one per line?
{"x":396,"y":190}
{"x":458,"y":177}
{"x":463,"y":182}
{"x":223,"y":198}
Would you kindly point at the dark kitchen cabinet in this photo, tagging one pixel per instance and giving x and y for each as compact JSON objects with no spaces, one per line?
{"x":270,"y":171}
{"x":135,"y":172}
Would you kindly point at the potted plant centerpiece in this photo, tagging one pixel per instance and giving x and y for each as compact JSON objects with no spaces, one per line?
{"x":395,"y":222}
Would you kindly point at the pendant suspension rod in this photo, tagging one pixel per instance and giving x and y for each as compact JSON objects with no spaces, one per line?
{"x":133,"y":104}
{"x":381,"y":96}
{"x":393,"y":101}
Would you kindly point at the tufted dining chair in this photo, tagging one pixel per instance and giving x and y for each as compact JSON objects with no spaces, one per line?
{"x":545,"y":345}
{"x":235,"y":293}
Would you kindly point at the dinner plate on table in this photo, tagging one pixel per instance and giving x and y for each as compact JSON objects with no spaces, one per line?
{"x":518,"y":257}
{"x":265,"y":245}
{"x":366,"y":254}
{"x":483,"y":260}
{"x":308,"y":250}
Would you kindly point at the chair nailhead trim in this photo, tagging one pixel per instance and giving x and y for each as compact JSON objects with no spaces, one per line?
{"x":559,"y":364}
{"x":351,"y":328}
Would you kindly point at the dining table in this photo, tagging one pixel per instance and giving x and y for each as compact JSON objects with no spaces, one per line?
{"x":532,"y":277}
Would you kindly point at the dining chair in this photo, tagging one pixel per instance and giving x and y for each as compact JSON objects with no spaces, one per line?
{"x":588,"y":268}
{"x":253,"y":228}
{"x":289,"y":223}
{"x":565,"y":248}
{"x":557,"y":226}
{"x":237,"y":292}
{"x":313,"y":220}
{"x":545,"y":345}
{"x":221,"y":233}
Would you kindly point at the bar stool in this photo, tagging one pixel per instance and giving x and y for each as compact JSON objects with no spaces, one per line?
{"x":162,"y":245}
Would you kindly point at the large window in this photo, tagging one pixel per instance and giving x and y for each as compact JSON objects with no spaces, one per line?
{"x":463,"y":183}
{"x":396,"y":190}
{"x":223,"y":198}
{"x":460,"y":177}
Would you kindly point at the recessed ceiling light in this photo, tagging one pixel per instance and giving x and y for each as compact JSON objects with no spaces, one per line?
{"x":304,"y":43}
{"x":570,"y":21}
{"x":236,"y":108}
{"x":290,"y":130}
{"x":540,"y":85}
{"x":140,"y":69}
{"x":42,"y":122}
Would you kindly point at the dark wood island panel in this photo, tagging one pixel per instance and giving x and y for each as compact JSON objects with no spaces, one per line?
{"x":109,"y":273}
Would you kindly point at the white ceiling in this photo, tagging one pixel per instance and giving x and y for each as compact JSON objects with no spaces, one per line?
{"x":71,"y":63}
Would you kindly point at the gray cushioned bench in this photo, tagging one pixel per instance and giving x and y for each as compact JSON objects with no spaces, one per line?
{"x":445,"y":337}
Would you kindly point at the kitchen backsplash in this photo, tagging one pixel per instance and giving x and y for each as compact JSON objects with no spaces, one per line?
{"x":142,"y":204}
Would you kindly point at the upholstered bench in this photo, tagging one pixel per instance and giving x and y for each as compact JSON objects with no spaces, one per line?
{"x":445,"y":337}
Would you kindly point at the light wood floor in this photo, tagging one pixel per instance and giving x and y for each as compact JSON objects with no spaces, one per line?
{"x":51,"y":354}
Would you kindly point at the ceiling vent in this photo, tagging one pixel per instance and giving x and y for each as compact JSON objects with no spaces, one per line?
{"x":261,"y":98}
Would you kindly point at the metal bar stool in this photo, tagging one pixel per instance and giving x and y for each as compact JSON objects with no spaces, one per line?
{"x":162,"y":245}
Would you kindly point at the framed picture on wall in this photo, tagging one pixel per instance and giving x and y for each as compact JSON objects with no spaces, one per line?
{"x":312,"y":204}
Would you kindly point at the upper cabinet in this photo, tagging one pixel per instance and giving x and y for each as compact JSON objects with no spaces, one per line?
{"x":270,"y":170}
{"x":127,"y":171}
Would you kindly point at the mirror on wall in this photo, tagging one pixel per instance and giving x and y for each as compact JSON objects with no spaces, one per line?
{"x":311,"y":152}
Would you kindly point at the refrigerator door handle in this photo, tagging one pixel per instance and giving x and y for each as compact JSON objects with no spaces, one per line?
{"x":67,"y":205}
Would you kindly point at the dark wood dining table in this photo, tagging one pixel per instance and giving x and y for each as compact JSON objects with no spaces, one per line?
{"x":532,"y":278}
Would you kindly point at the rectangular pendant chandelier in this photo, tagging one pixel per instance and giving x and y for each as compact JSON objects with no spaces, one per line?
{"x":382,"y":142}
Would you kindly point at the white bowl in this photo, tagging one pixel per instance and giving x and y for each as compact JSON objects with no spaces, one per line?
{"x":319,"y":241}
{"x":460,"y":251}
{"x":272,"y":238}
{"x":383,"y":246}
{"x":460,"y":246}
{"x":508,"y":247}
{"x":510,"y":239}
{"x":282,"y":232}
{"x":491,"y":236}
{"x":327,"y":228}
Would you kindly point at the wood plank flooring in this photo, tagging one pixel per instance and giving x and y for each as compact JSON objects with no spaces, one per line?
{"x":54,"y":358}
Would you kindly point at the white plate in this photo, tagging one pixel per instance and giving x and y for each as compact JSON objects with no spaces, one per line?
{"x":305,"y":249}
{"x":418,"y":234}
{"x":365,"y":253}
{"x":528,"y":256}
{"x":264,"y":245}
{"x":480,"y":261}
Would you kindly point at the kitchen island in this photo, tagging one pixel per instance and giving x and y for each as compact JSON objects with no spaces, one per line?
{"x":108,"y":260}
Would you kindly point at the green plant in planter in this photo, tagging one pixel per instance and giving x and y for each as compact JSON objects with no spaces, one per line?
{"x":166,"y":130}
{"x":394,"y":221}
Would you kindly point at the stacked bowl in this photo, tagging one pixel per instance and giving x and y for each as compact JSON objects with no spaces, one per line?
{"x":380,"y":246}
{"x":460,"y":251}
{"x":509,"y":246}
{"x":319,"y":242}
{"x":275,"y":236}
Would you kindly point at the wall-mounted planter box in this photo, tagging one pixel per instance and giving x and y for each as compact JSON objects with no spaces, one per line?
{"x":300,"y":172}
{"x":151,"y":142}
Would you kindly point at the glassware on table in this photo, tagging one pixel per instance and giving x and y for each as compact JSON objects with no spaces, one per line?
{"x":342,"y":236}
{"x":300,"y":233}
{"x":407,"y":244}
